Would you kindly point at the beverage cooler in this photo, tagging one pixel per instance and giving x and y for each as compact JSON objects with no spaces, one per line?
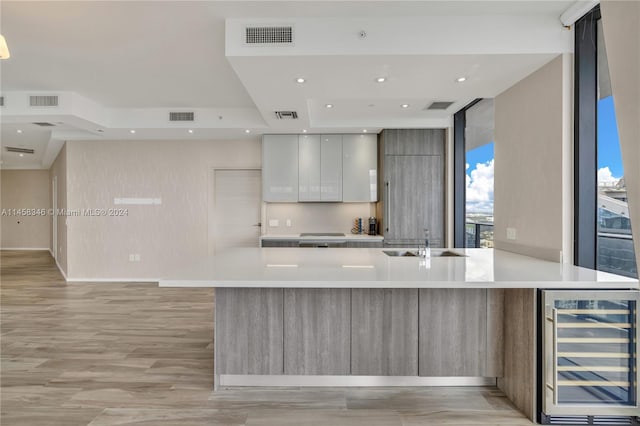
{"x":589,"y":357}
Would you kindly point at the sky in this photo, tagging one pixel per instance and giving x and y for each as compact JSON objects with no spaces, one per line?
{"x":480,"y":161}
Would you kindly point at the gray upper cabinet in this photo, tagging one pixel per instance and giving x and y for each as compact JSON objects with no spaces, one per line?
{"x":360,"y":168}
{"x":330,"y":168}
{"x":280,"y":168}
{"x":309,"y":178}
{"x":414,"y":141}
{"x":320,"y":168}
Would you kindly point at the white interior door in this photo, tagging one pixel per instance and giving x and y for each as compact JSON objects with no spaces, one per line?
{"x":237,"y":209}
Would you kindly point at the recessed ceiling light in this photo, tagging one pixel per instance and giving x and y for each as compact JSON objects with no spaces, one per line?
{"x":190,"y":130}
{"x":247,"y":131}
{"x":304,"y":130}
{"x":300,"y":80}
{"x":381,"y":79}
{"x":21,"y":155}
{"x":461,"y":79}
{"x":132,"y":131}
{"x":405,"y":105}
{"x":364,"y":130}
{"x":19,"y":130}
{"x":329,"y":106}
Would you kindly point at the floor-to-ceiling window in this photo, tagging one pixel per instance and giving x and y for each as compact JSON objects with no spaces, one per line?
{"x":478,"y":156}
{"x":615,"y":251}
{"x":604,"y":237}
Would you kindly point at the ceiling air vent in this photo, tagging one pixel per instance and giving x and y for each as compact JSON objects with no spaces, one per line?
{"x":44,"y":124}
{"x":20,"y":150}
{"x":181,"y":116}
{"x":43,"y":101}
{"x":286,"y":115}
{"x":439,"y":105}
{"x":268,"y":35}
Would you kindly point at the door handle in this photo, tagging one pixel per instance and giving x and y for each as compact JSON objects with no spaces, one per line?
{"x":388,"y":219}
{"x":258,"y":224}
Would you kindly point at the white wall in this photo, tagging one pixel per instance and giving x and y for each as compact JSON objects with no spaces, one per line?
{"x":167,"y":237}
{"x":533,"y":157}
{"x":26,"y":189}
{"x":621,"y":24}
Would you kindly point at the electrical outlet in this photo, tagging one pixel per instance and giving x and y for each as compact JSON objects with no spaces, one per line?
{"x":511,"y":233}
{"x":288,"y":223}
{"x":132,"y":257}
{"x":274,"y":223}
{"x":136,"y":257}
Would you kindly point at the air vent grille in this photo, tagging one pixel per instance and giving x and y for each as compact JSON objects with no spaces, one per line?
{"x":439,"y":105}
{"x":589,"y":420}
{"x":1,"y":101}
{"x":181,"y":116}
{"x":268,"y":35}
{"x":20,"y":150}
{"x":43,"y":124}
{"x":286,"y":115}
{"x":43,"y":101}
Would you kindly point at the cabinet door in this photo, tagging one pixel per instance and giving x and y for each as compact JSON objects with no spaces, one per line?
{"x":453,"y":332}
{"x":280,"y":168}
{"x":414,"y":197}
{"x":331,"y":168}
{"x":317,"y":331}
{"x":360,"y":168}
{"x":414,"y":141}
{"x":309,"y":168}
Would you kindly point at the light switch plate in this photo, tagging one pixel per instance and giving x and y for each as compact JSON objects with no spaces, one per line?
{"x":274,"y":223}
{"x":288,"y":223}
{"x":511,"y":233}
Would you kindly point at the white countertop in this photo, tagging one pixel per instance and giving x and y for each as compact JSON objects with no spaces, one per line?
{"x":371,"y":268}
{"x":297,"y":237}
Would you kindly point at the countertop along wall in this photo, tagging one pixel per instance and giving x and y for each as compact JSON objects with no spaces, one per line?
{"x":26,"y":189}
{"x":168,"y":236}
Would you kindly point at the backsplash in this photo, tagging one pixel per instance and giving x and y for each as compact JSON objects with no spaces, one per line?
{"x":315,"y":217}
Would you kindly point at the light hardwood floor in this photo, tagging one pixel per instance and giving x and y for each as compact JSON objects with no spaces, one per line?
{"x":134,"y":354}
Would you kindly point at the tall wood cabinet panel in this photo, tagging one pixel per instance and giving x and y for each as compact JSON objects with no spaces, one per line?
{"x":317,"y":331}
{"x":414,"y":141}
{"x":249,"y":332}
{"x":309,"y":176}
{"x":280,"y":168}
{"x":384,"y":330}
{"x":414,"y":198}
{"x":453,"y":332}
{"x":360,"y":168}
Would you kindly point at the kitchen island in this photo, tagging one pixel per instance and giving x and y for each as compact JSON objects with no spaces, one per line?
{"x":376,"y":317}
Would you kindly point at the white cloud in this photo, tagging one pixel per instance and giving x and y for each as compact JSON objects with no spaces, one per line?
{"x":480,"y":188}
{"x":606,"y":177}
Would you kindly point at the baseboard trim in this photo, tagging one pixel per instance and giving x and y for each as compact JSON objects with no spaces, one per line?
{"x":64,"y":275}
{"x":27,"y":248}
{"x":350,"y":381}
{"x":114,"y":280}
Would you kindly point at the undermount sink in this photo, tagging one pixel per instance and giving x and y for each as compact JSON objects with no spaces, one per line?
{"x":414,"y":253}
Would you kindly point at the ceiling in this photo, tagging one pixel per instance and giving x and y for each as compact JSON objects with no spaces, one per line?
{"x":124,"y":65}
